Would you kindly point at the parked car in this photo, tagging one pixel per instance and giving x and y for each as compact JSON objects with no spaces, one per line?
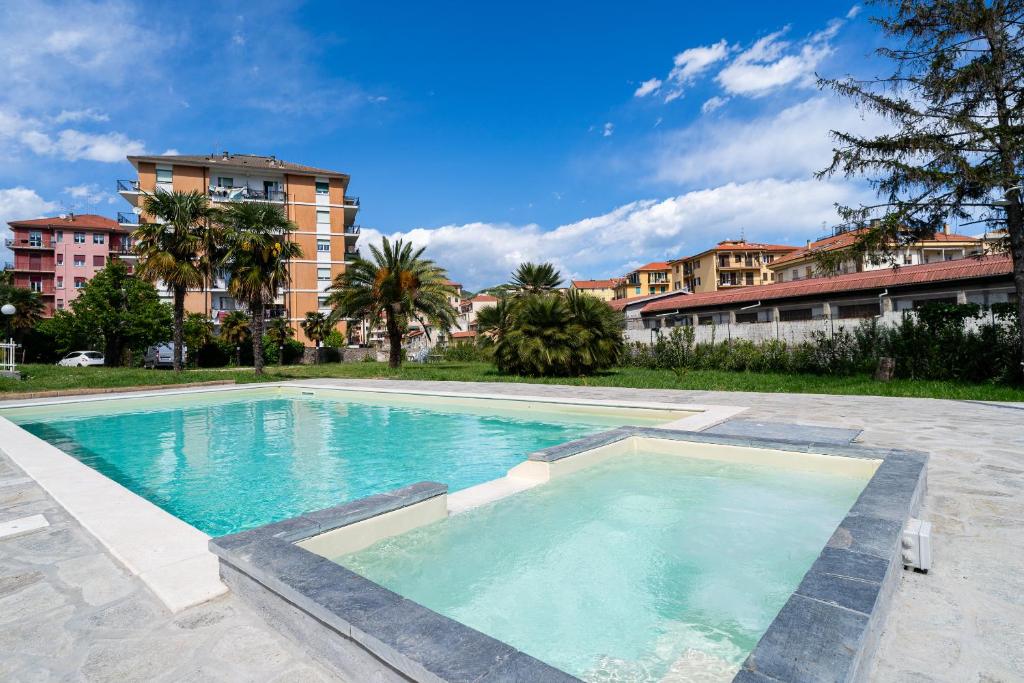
{"x":81,"y":359}
{"x":162,"y":355}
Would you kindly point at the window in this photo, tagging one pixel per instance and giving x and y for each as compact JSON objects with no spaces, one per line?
{"x":750,"y":278}
{"x":79,"y":238}
{"x":60,"y":259}
{"x":908,"y":259}
{"x":705,"y":320}
{"x":164,"y":175}
{"x":98,"y":260}
{"x":35,"y":239}
{"x":746,"y":317}
{"x":60,"y":282}
{"x":35,"y":283}
{"x":696,"y":263}
{"x":791,"y":314}
{"x":79,"y":282}
{"x":60,"y":304}
{"x":768,"y":258}
{"x":723,"y":261}
{"x":321,"y":302}
{"x":868,"y":310}
{"x":323,"y":246}
{"x":323,"y":274}
{"x":323,"y":217}
{"x":58,"y":236}
{"x":225,"y":182}
{"x":98,"y":238}
{"x":637,"y":290}
{"x":322,"y":188}
{"x":738,"y":257}
{"x":79,"y":260}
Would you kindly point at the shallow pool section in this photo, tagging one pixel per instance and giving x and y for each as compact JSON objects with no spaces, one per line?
{"x":232,"y":460}
{"x":638,"y":568}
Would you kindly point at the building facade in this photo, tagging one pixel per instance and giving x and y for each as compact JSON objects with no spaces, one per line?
{"x":55,"y":257}
{"x":315,"y":199}
{"x":727,"y":265}
{"x":943,"y":246}
{"x":652,"y":278}
{"x":602,"y":289}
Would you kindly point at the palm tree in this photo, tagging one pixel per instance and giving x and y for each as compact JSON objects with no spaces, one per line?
{"x":257,"y":256}
{"x":278,"y":332}
{"x":316,"y":326}
{"x":536,"y":278}
{"x":494,"y":322}
{"x":398,"y":285}
{"x":28,"y":312}
{"x":234,"y":329}
{"x":171,"y":250}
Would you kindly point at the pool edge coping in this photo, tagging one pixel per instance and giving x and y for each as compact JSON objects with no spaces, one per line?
{"x":180,"y":569}
{"x":837,"y":610}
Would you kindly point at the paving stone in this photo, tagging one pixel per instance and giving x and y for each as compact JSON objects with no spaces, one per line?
{"x":100,"y":580}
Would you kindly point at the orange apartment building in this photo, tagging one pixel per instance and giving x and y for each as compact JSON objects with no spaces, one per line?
{"x":729,"y":264}
{"x":315,"y":199}
{"x":652,"y":278}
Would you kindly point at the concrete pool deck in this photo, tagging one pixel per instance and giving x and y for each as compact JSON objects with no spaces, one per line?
{"x":962,"y":621}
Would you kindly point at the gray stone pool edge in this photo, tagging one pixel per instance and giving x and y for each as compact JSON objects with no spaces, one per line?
{"x":826,"y":631}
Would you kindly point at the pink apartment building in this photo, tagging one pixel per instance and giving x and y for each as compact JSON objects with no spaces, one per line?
{"x":57,"y":256}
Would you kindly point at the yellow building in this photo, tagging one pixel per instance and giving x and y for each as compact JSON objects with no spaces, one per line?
{"x":652,"y":278}
{"x":602,"y":289}
{"x":943,"y":246}
{"x":315,"y":199}
{"x":727,"y":265}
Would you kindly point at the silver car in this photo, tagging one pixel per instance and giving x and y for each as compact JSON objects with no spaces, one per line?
{"x":81,"y":359}
{"x":162,"y":355}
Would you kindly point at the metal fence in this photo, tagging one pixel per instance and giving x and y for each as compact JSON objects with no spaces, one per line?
{"x":7,"y":351}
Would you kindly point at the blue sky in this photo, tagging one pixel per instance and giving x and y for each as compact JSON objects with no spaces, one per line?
{"x":595,"y":135}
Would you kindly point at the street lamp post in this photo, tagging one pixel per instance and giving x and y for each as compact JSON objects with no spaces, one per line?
{"x":7,"y":368}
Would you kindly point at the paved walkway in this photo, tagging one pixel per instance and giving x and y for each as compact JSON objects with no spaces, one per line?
{"x":69,"y":612}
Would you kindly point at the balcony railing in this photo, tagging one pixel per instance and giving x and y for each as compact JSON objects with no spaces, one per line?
{"x":351,"y":254}
{"x":243,"y":194}
{"x":129,"y":218}
{"x":127,"y":185}
{"x":13,"y":243}
{"x":352,"y":201}
{"x":352,"y":229}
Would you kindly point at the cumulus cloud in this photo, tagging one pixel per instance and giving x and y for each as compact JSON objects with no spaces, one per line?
{"x":771,"y":63}
{"x":647,"y":87}
{"x":792,"y":143}
{"x":74,"y":145}
{"x":691,"y":63}
{"x":89,"y":193}
{"x":482,"y":254}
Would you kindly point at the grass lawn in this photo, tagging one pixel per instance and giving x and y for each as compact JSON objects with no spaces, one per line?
{"x":49,"y":377}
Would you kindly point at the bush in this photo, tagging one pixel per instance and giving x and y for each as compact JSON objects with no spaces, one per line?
{"x":467,"y":352}
{"x":213,"y":355}
{"x":293,"y":350}
{"x":335,"y":340}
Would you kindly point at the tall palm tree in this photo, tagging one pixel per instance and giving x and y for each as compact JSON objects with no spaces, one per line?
{"x":211,"y":257}
{"x":278,"y":332}
{"x":234,"y":329}
{"x":398,"y":285}
{"x":256,"y":258}
{"x":316,"y":326}
{"x":536,"y":278}
{"x":170,"y":250}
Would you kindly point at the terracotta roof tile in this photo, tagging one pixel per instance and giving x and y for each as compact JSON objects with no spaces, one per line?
{"x":595,"y":284}
{"x":843,"y":240}
{"x":83,"y":220}
{"x":255,"y":161}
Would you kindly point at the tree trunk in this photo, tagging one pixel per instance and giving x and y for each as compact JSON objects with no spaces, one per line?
{"x":179,"y":326}
{"x":394,"y":340}
{"x":257,"y":337}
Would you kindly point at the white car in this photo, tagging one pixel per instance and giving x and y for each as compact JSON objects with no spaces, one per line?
{"x":81,"y":359}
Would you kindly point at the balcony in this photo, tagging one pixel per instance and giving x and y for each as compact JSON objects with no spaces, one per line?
{"x":351,"y":201}
{"x":22,"y":243}
{"x":352,"y":229}
{"x":246,"y":194}
{"x":127,"y":185}
{"x":351,"y":254}
{"x":129,"y":218}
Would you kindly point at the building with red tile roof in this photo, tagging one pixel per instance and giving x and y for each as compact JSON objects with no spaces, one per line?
{"x":602,"y":289}
{"x":651,"y":278}
{"x":729,"y":264}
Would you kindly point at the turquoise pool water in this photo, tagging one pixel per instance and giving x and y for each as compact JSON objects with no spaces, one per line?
{"x":225,"y":463}
{"x":643,"y":568}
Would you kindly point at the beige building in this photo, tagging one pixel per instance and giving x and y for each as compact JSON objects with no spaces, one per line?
{"x":602,"y":289}
{"x":652,"y":278}
{"x":727,"y":265}
{"x":315,"y":199}
{"x":944,"y":246}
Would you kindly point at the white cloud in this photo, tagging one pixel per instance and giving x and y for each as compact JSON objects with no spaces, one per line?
{"x":89,"y":193}
{"x":481,"y":254}
{"x":608,"y":129}
{"x":691,"y":63}
{"x":77,"y":115}
{"x":19,"y":203}
{"x":854,"y":11}
{"x":647,"y":87}
{"x":74,"y":145}
{"x":170,"y":152}
{"x":713,"y":103}
{"x":770,"y":63}
{"x":792,"y":143}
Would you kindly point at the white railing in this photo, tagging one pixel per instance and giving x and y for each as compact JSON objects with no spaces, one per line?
{"x":7,"y":351}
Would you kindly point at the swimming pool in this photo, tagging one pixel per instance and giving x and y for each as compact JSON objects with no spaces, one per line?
{"x":232,"y":460}
{"x":643,"y":567}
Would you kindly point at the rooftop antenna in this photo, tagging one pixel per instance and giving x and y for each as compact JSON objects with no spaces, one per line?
{"x":743,"y":234}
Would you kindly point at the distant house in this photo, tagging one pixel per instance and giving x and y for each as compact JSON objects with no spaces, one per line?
{"x":602,"y":289}
{"x":468,"y":309}
{"x":652,"y":278}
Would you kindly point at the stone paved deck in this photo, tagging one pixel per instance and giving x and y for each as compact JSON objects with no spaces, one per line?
{"x":70,"y":612}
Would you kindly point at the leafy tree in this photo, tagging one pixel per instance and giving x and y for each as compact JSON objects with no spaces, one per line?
{"x":257,"y":255}
{"x":6,"y":276}
{"x":536,"y":278}
{"x":398,"y":285}
{"x":278,"y":334}
{"x":316,"y":326}
{"x":234,"y":329}
{"x":170,"y":251}
{"x":334,"y":339}
{"x":956,"y":145}
{"x":115,"y":311}
{"x":198,"y":332}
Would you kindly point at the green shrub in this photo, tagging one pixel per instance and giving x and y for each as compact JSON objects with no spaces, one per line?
{"x":467,"y":352}
{"x":335,"y":340}
{"x":293,"y":350}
